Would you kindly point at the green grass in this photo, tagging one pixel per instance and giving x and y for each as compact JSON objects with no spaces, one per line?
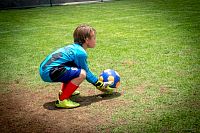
{"x":154,"y":45}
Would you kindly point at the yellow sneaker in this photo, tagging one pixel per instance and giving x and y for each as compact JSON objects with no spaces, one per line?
{"x":67,"y":103}
{"x":76,"y":93}
{"x":73,"y":94}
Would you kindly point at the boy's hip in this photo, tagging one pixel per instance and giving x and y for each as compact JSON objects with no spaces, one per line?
{"x":60,"y":74}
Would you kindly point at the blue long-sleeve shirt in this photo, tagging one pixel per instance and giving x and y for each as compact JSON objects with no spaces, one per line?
{"x":69,"y":56}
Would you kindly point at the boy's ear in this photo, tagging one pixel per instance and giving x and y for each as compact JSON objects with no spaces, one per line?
{"x":86,"y":39}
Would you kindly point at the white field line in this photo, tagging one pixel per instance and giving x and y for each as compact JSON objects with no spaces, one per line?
{"x":83,"y":2}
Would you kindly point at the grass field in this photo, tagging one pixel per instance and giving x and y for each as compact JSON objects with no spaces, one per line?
{"x":153,"y":44}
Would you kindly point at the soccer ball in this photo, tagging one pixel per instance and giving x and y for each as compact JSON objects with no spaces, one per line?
{"x":110,"y":75}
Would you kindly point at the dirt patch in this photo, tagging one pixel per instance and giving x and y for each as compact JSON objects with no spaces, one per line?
{"x":142,"y":88}
{"x":34,"y":111}
{"x":165,"y":90}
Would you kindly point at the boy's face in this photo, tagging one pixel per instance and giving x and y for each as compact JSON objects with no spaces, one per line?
{"x":91,"y":42}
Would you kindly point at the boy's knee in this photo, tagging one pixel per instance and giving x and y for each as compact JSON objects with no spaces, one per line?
{"x":83,"y":74}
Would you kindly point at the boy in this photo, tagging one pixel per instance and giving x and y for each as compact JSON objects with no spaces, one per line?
{"x":69,"y":66}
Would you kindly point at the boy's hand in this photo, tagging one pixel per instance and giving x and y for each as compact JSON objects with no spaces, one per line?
{"x":109,"y":90}
{"x":99,"y":84}
{"x":103,"y":86}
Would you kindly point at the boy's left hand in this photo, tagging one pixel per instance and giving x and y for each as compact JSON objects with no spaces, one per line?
{"x":103,"y":86}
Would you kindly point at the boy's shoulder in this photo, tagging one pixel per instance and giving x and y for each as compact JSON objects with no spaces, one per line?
{"x":76,"y":48}
{"x":74,"y":45}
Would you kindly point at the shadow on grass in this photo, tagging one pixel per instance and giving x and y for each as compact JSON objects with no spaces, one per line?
{"x":84,"y":100}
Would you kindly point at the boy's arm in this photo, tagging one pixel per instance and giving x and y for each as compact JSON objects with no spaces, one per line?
{"x":91,"y":78}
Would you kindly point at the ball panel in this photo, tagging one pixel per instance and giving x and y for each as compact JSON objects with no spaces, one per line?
{"x":117,"y":73}
{"x":107,"y":70}
{"x":111,"y":78}
{"x":118,"y":84}
{"x":101,"y":78}
{"x":113,"y":86}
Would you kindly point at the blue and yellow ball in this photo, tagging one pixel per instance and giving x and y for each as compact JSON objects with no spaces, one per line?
{"x":110,"y":75}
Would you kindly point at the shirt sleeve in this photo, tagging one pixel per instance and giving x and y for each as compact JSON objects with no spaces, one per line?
{"x":90,"y":77}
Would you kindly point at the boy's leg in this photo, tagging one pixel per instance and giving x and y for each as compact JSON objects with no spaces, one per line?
{"x":69,"y":87}
{"x":67,"y":90}
{"x":63,"y":86}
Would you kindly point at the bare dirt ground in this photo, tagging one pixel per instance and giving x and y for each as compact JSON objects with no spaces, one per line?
{"x":26,"y":110}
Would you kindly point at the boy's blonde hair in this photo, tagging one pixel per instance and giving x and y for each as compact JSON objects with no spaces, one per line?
{"x":82,"y":32}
